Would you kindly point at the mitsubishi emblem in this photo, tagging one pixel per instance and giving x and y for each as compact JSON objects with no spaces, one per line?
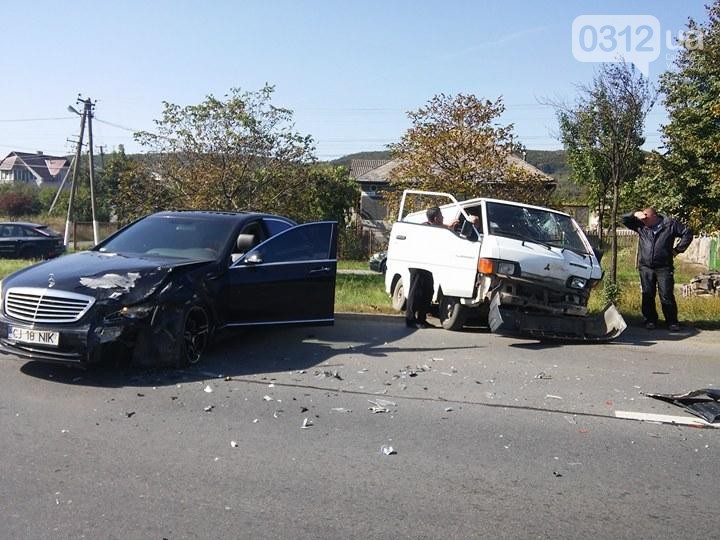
{"x":547,"y":267}
{"x":51,"y":280}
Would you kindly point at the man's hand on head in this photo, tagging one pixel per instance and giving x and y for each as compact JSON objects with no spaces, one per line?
{"x":640,"y":215}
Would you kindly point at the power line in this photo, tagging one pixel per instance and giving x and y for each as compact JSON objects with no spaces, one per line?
{"x":53,"y":118}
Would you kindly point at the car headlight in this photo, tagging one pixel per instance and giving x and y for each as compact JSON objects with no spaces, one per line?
{"x":495,"y":266}
{"x":139,"y":311}
{"x":576,"y":282}
{"x":507,"y":268}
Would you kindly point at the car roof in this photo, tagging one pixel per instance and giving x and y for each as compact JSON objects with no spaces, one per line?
{"x":23,"y":223}
{"x":217,"y":215}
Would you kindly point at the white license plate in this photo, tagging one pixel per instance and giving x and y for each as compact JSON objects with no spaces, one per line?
{"x":38,"y":337}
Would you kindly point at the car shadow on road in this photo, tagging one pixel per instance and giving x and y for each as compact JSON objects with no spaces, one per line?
{"x":253,"y":352}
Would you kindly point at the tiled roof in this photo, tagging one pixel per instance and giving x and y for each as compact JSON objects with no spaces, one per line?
{"x":378,"y":170}
{"x":50,"y":169}
{"x":372,"y":170}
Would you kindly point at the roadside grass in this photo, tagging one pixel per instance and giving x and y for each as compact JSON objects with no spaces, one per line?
{"x":362,"y":293}
{"x":8,"y":266}
{"x":353,"y":265}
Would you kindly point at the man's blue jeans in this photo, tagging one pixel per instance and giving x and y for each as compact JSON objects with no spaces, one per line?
{"x":662,"y":281}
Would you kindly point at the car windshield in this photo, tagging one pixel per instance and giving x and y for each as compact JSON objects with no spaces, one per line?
{"x":173,"y":236}
{"x":535,"y":225}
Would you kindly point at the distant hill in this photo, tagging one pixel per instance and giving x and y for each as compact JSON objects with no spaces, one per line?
{"x":554,"y":163}
{"x":345,"y":160}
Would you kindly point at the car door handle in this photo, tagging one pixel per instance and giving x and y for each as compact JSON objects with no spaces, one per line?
{"x":401,"y":237}
{"x":320,"y":270}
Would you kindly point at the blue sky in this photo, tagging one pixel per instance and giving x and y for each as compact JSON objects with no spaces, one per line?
{"x":349,"y":70}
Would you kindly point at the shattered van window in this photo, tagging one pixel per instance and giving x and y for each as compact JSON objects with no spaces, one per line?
{"x":535,"y":225}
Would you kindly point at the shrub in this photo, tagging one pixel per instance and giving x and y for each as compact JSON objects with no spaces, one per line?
{"x":19,"y":203}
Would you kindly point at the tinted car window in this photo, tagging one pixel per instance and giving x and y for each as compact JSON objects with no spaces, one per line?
{"x":276,"y":226}
{"x":8,"y":231}
{"x":303,"y":243}
{"x":32,"y":232}
{"x":180,"y":237}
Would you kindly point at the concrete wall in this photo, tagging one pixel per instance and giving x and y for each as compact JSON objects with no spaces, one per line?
{"x":704,"y":250}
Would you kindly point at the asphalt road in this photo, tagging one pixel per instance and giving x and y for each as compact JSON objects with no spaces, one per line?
{"x":493,"y":438}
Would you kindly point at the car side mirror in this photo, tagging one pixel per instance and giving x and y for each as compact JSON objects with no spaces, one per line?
{"x":253,"y":258}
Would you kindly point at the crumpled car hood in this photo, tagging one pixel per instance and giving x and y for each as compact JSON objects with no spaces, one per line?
{"x":101,"y":275}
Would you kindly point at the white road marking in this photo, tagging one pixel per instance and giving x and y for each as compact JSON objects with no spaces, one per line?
{"x":664,"y":419}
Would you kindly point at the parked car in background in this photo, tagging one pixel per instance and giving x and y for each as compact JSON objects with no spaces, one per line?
{"x":21,"y":240}
{"x":160,"y":288}
{"x":378,"y":262}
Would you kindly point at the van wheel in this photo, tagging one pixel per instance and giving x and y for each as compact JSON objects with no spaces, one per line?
{"x":398,"y":295}
{"x":452,"y":313}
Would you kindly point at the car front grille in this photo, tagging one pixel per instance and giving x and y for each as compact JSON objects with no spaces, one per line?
{"x":46,"y":305}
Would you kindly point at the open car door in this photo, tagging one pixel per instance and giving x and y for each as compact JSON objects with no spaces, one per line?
{"x":287,"y":279}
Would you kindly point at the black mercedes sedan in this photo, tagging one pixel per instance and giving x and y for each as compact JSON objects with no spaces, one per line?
{"x":158,"y":290}
{"x":21,"y":240}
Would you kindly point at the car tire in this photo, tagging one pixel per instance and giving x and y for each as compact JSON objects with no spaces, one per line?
{"x":195,"y":336}
{"x":398,"y":295}
{"x":452,"y":313}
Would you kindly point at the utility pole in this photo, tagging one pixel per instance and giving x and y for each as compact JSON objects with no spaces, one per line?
{"x":101,"y":147}
{"x":86,"y":116}
{"x":73,"y":182}
{"x":88,"y":110}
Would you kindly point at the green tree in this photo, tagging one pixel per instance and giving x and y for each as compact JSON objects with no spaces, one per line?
{"x":685,"y":179}
{"x":603,"y":133}
{"x":236,"y":153}
{"x":456,"y":145}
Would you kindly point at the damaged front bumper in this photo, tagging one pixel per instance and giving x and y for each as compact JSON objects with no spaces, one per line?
{"x":513,"y":320}
{"x":79,"y":344}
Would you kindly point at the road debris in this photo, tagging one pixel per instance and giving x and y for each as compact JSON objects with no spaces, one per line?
{"x":267,"y":398}
{"x":234,"y":444}
{"x":306,"y":423}
{"x":388,"y":450}
{"x":543,"y":376}
{"x":550,"y":396}
{"x":704,"y":403}
{"x":208,"y":389}
{"x":380,"y":405}
{"x":341,"y":410}
{"x":209,"y":408}
{"x":329,"y":375}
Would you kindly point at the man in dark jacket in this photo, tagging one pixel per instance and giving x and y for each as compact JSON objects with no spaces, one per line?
{"x":422,"y":286}
{"x":657,"y":249}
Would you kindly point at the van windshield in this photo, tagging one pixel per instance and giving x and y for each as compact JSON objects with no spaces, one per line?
{"x":535,"y":225}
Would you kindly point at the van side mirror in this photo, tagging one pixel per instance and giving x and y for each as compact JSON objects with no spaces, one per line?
{"x":467,"y":231}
